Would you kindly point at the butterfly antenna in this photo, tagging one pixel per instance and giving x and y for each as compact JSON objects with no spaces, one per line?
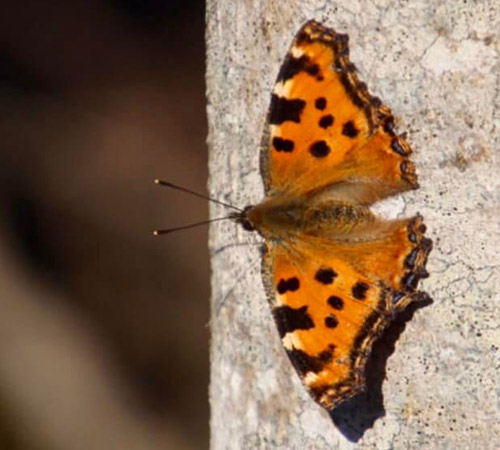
{"x":196,"y":194}
{"x":191,"y":225}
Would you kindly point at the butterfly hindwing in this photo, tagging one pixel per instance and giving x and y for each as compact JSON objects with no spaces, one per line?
{"x":394,"y":251}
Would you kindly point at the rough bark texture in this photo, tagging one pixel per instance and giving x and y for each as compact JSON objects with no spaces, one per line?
{"x":436,"y":64}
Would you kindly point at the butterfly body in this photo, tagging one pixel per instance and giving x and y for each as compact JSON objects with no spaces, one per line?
{"x":283,"y":218}
{"x":334,"y":273}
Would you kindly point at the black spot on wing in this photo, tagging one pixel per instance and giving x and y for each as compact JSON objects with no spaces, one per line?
{"x":359,"y":290}
{"x":320,"y":103}
{"x":290,"y":319}
{"x":319,"y":149}
{"x":313,"y":70}
{"x":283,"y":145}
{"x":327,"y":355}
{"x":325,"y":275}
{"x":283,"y":109}
{"x":331,"y":321}
{"x":349,"y":129}
{"x":335,"y":302}
{"x":292,"y":284}
{"x":304,"y":363}
{"x":326,"y":121}
{"x":292,"y":66}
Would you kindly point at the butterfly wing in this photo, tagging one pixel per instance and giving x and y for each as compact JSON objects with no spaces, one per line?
{"x":395,"y":251}
{"x":325,"y":128}
{"x":331,"y":300}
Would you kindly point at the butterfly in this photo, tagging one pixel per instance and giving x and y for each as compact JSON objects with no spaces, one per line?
{"x":334,"y":273}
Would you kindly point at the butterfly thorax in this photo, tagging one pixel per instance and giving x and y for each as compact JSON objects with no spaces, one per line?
{"x":280,"y":217}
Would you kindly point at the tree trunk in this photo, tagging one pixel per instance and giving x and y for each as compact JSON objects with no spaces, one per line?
{"x":436,"y":65}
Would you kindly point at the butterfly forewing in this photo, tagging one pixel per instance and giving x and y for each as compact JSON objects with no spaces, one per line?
{"x":323,"y":307}
{"x":324,"y":127}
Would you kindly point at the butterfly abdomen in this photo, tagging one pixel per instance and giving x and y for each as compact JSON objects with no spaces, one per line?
{"x":330,"y":218}
{"x":279,"y":217}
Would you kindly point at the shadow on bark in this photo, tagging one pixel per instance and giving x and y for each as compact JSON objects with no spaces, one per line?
{"x":358,"y":414}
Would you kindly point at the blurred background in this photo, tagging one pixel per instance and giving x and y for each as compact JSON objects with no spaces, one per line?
{"x":103,"y":327}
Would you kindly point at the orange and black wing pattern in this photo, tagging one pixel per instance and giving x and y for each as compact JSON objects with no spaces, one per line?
{"x":336,"y":281}
{"x":331,"y":301}
{"x":325,"y":128}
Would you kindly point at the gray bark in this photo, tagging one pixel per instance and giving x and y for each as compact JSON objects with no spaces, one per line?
{"x":436,"y":64}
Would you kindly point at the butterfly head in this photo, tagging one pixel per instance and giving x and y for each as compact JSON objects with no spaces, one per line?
{"x":271,"y":218}
{"x":243,"y":218}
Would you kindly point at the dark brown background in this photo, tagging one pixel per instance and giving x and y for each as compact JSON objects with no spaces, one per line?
{"x":98,"y":98}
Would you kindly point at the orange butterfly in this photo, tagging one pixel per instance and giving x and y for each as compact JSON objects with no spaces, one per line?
{"x":334,"y":273}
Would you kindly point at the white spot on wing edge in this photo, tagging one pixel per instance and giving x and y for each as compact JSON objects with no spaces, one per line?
{"x":297,"y":52}
{"x":282,"y":89}
{"x":278,"y":298}
{"x":274,"y":130}
{"x":310,"y":378}
{"x":291,"y":341}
